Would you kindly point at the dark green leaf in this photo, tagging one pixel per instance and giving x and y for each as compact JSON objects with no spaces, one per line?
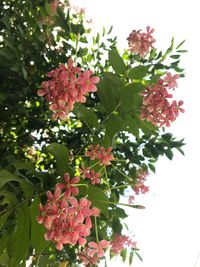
{"x":88,"y":116}
{"x":138,"y":255}
{"x":131,"y":258}
{"x":60,"y":152}
{"x":19,"y":241}
{"x":98,"y":199}
{"x":37,"y":230}
{"x":169,"y":154}
{"x":6,"y":176}
{"x":120,"y":213}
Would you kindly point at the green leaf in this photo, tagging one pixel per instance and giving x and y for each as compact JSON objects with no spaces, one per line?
{"x":19,"y":165}
{"x":132,"y":124}
{"x":37,"y":230}
{"x":98,"y":199}
{"x":114,"y":125}
{"x":138,"y":73}
{"x":124,"y":254}
{"x":19,"y":241}
{"x":138,"y":255}
{"x":6,"y":176}
{"x":117,"y":62}
{"x":60,"y":152}
{"x":3,"y":243}
{"x":113,"y":78}
{"x":9,"y":198}
{"x":152,"y":167}
{"x":129,"y":97}
{"x":120,"y":213}
{"x":88,"y":116}
{"x":169,"y":154}
{"x":131,"y":258}
{"x":178,"y":46}
{"x":116,"y":225}
{"x":106,"y":93}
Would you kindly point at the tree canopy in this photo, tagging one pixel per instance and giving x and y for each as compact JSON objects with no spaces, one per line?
{"x":82,"y":125}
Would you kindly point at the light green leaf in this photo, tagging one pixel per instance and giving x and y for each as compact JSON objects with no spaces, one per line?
{"x":138,"y":73}
{"x":116,"y":62}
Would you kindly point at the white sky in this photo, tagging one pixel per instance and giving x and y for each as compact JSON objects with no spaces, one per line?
{"x":168,"y":231}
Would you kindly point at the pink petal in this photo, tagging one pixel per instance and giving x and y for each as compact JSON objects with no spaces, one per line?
{"x":94,"y":79}
{"x":75,"y":180}
{"x":92,"y":245}
{"x":41,"y":92}
{"x":100,"y":252}
{"x":73,"y":201}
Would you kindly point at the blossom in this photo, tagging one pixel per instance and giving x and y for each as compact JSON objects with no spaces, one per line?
{"x":139,"y":186}
{"x":140,"y":42}
{"x":68,"y":85}
{"x":70,"y":187}
{"x":121,"y":242}
{"x":156,"y":106}
{"x":90,"y":174}
{"x":104,"y":155}
{"x":97,"y":248}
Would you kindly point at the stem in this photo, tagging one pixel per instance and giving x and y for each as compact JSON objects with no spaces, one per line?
{"x":96,"y":230}
{"x":20,"y":203}
{"x":122,"y":172}
{"x":94,"y":164}
{"x":108,"y":184}
{"x":128,"y":205}
{"x":93,"y":134}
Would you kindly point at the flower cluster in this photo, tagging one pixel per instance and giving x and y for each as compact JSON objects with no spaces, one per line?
{"x":90,"y":174}
{"x":121,"y":242}
{"x":140,"y":42}
{"x":92,"y":254}
{"x":140,"y":187}
{"x":156,"y":107}
{"x":68,"y":85}
{"x":67,"y":220}
{"x":103,"y":155}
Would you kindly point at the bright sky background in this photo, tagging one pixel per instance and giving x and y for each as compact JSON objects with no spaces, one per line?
{"x":168,"y":231}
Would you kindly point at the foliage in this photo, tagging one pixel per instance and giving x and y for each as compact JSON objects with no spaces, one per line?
{"x":36,"y":151}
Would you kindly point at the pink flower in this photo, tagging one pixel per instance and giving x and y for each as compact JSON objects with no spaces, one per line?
{"x":87,"y":82}
{"x":141,"y":43}
{"x":104,"y":155}
{"x":171,"y":80}
{"x":70,"y":187}
{"x":156,"y":107}
{"x":67,"y":85}
{"x":60,"y":110}
{"x":97,"y":248}
{"x":121,"y":242}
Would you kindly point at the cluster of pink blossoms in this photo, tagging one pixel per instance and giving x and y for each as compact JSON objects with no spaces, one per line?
{"x":90,"y":174}
{"x":139,"y":186}
{"x":103,"y":155}
{"x":92,"y":254}
{"x":156,"y":107}
{"x":140,"y":42}
{"x":68,"y":85}
{"x":121,"y":242}
{"x":66,"y":219}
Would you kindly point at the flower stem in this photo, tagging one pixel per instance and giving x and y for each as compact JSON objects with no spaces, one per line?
{"x":107,"y":182}
{"x":96,"y":230}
